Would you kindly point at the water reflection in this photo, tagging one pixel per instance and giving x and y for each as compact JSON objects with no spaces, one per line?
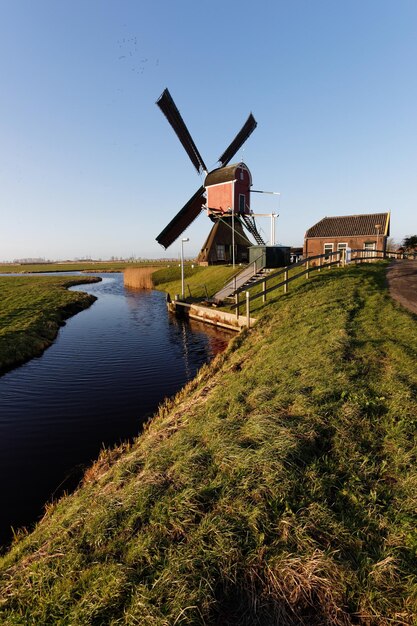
{"x":108,"y":370}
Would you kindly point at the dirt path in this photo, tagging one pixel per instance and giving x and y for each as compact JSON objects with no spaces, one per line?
{"x":402,"y":283}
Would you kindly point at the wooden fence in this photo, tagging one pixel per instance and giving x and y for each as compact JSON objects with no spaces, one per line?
{"x":310,"y":264}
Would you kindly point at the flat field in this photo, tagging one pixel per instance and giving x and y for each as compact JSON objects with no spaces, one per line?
{"x":279,"y":487}
{"x":31,"y":311}
{"x":87,"y":266}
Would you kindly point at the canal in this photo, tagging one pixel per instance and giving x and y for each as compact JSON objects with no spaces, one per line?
{"x":108,"y":370}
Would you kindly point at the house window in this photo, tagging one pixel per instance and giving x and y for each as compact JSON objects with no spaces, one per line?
{"x":221,"y":253}
{"x":328,"y":247}
{"x":340,"y":247}
{"x":369,"y":248}
{"x":242,"y":202}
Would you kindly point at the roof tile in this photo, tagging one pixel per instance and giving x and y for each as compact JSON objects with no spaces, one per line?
{"x":350,"y":226}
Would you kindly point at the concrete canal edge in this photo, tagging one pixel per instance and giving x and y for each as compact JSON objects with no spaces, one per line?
{"x":141,"y":278}
{"x":209,"y":316}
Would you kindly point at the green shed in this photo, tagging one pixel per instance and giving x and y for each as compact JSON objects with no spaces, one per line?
{"x":269,"y":256}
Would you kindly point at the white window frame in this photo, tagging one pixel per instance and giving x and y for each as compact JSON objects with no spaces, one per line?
{"x":369,"y":248}
{"x":342,"y":246}
{"x":327,"y":245}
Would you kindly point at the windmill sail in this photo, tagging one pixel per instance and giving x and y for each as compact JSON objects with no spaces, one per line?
{"x":169,"y":109}
{"x":244,"y":133}
{"x":195,"y":204}
{"x":183,"y":219}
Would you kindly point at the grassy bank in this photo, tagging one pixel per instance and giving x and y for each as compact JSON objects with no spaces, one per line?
{"x":199,"y":281}
{"x":32,"y":310}
{"x":279,"y":487}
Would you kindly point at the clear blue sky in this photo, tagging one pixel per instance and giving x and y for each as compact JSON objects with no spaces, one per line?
{"x":90,"y":166}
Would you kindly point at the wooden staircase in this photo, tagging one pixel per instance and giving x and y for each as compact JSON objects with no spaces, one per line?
{"x":245,"y":278}
{"x":250,"y":224}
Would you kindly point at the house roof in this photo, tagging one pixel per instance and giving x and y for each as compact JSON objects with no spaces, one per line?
{"x":224,"y":174}
{"x":351,"y":226}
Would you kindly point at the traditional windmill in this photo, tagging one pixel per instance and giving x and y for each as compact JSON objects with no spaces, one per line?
{"x":225,"y":195}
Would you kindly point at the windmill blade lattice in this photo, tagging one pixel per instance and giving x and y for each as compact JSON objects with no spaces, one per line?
{"x":183,"y":219}
{"x":171,"y":112}
{"x":244,"y":133}
{"x":193,"y":207}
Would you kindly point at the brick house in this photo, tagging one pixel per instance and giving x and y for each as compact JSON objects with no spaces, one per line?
{"x":367,"y":232}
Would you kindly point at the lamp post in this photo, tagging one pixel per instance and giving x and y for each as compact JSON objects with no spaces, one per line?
{"x":233,"y":237}
{"x":183,"y":240}
{"x":232,"y":213}
{"x":378,"y":228}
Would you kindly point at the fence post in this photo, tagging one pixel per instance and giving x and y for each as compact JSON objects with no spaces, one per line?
{"x":264,"y":289}
{"x":286,"y":279}
{"x":308,"y":267}
{"x":248,"y":309}
{"x":237,"y":304}
{"x":319,"y":265}
{"x":189,"y":290}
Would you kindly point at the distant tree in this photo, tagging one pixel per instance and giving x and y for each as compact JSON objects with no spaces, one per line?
{"x":392,"y":245}
{"x":410,"y":243}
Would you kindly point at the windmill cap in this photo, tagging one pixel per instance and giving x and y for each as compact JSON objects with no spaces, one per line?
{"x":225,"y":174}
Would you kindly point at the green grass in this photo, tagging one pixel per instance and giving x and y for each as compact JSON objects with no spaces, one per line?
{"x":273,"y":279}
{"x":199,"y":281}
{"x":279,"y":487}
{"x":32,"y":309}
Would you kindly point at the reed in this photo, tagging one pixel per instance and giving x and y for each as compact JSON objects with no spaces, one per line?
{"x":139,"y":277}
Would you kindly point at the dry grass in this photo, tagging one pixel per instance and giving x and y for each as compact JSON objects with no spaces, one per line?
{"x":139,"y":277}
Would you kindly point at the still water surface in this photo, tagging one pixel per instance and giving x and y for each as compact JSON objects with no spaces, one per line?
{"x":107,"y":371}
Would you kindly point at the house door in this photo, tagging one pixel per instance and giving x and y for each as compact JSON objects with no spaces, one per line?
{"x":340,"y":247}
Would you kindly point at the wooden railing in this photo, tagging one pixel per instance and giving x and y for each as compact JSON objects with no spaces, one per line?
{"x":310,"y":264}
{"x":256,"y":266}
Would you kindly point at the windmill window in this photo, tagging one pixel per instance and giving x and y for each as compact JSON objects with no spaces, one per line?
{"x":242,"y":202}
{"x":221,"y":253}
